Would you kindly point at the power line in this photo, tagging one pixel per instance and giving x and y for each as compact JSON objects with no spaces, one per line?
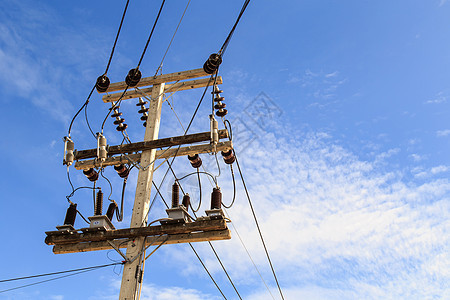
{"x":117,"y":37}
{"x":107,"y":67}
{"x":206,"y":269}
{"x":227,"y":40}
{"x":173,"y":36}
{"x":257,"y":225}
{"x":77,"y":271}
{"x":248,"y":253}
{"x":151,"y":33}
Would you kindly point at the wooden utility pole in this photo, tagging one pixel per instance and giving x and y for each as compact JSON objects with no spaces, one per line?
{"x":133,"y":271}
{"x":139,"y":235}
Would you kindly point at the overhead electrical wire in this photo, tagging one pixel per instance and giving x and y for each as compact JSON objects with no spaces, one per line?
{"x":227,"y":40}
{"x":77,"y":271}
{"x":151,"y":33}
{"x":136,"y":70}
{"x":117,"y":37}
{"x":257,"y":226}
{"x":107,"y":67}
{"x":176,"y":179}
{"x":171,"y":40}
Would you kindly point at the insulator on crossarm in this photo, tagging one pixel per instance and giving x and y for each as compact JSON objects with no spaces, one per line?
{"x":228,"y":156}
{"x":133,"y":77}
{"x":102,"y":84}
{"x":186,"y":201}
{"x":111,"y":209}
{"x":99,"y":203}
{"x":216,"y":90}
{"x":213,"y":63}
{"x":221,"y":111}
{"x":216,"y":198}
{"x":122,"y":170}
{"x":175,"y":195}
{"x":143,"y":111}
{"x":71,"y":214}
{"x":195,"y":160}
{"x":119,"y":121}
{"x":91,"y":174}
{"x":101,"y":147}
{"x":69,"y":146}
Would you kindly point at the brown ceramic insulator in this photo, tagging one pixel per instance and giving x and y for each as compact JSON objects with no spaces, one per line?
{"x":195,"y":160}
{"x":175,"y":195}
{"x":91,"y":174}
{"x":216,"y":198}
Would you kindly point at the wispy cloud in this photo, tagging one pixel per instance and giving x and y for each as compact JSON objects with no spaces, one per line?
{"x":337,"y":226}
{"x":440,"y":98}
{"x":35,"y":67}
{"x":442,"y":133}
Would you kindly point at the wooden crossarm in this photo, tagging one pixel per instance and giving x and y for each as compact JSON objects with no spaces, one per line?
{"x":215,"y":235}
{"x":169,"y":88}
{"x":160,"y":154}
{"x":171,"y":77}
{"x":130,"y":233}
{"x":160,"y":143}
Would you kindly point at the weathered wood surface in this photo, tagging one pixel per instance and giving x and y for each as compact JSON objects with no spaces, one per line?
{"x":169,"y":88}
{"x":117,"y":86}
{"x":159,"y":143}
{"x":203,"y":225}
{"x":217,"y":235}
{"x":160,"y":154}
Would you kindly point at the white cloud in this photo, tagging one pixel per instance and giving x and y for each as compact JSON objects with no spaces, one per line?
{"x":442,"y":2}
{"x":155,"y":292}
{"x":442,"y":133}
{"x":416,"y":157}
{"x":440,"y":98}
{"x":336,"y":226}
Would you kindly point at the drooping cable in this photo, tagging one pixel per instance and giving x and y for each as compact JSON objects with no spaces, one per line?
{"x":173,"y":36}
{"x":87,"y":120}
{"x":234,"y":188}
{"x":200,"y":193}
{"x":257,"y":226}
{"x":78,"y":112}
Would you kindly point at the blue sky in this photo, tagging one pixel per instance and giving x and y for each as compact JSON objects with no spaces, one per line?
{"x":348,"y":172}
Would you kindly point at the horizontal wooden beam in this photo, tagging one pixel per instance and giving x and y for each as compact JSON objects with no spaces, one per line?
{"x":169,"y":88}
{"x":117,"y":86}
{"x":160,"y":154}
{"x":160,"y":143}
{"x":155,"y":241}
{"x":53,"y":238}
